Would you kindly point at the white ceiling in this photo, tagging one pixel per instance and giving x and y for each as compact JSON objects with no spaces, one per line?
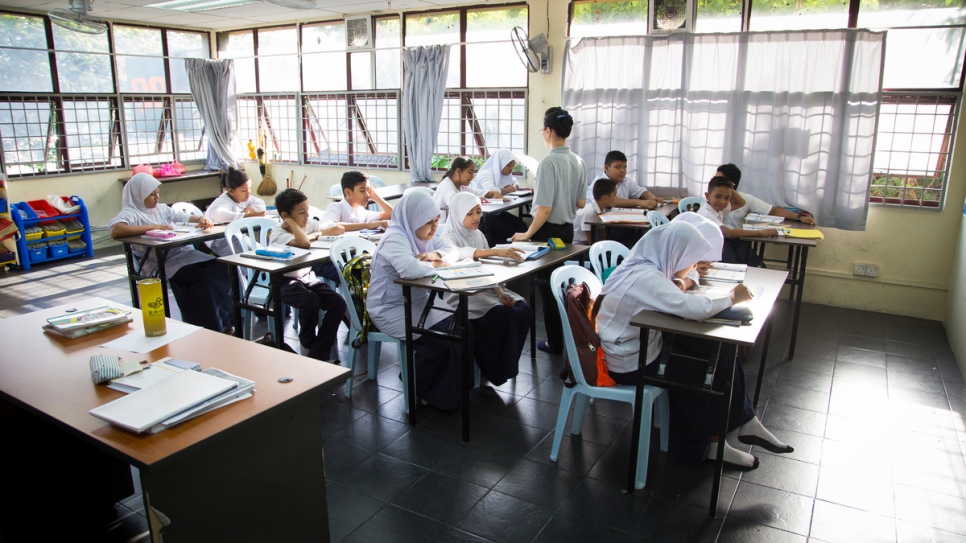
{"x":259,"y":14}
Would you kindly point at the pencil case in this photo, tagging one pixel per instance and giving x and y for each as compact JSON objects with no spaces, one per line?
{"x":160,"y":234}
{"x":274,"y":253}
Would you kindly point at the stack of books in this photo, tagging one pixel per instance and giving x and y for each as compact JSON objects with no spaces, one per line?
{"x":81,"y":323}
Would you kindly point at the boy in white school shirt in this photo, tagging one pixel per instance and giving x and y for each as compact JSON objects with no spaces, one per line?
{"x":629,"y":194}
{"x":605,"y":196}
{"x":352,"y":212}
{"x":742,"y":204}
{"x":717,"y":206}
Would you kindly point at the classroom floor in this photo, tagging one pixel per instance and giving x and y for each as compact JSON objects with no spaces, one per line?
{"x":873,"y":404}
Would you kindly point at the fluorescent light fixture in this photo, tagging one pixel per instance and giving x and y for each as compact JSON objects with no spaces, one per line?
{"x":191,"y":6}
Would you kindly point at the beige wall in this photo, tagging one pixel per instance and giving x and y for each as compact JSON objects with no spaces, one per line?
{"x":914,"y":250}
{"x":955,"y":318}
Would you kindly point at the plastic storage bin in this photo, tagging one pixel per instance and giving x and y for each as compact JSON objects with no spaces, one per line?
{"x":43,"y":209}
{"x":37,"y":252}
{"x":74,"y":229}
{"x":53,"y":229}
{"x":76,"y":246}
{"x":33,"y":233}
{"x":58,"y":248}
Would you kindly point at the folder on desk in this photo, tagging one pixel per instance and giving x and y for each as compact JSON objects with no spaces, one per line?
{"x":804,"y":233}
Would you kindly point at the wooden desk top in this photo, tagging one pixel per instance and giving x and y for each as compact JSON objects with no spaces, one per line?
{"x":770,"y":280}
{"x":50,"y":375}
{"x":277,"y":266}
{"x":668,"y":210}
{"x":500,"y":207}
{"x":215,"y":232}
{"x":503,"y":273}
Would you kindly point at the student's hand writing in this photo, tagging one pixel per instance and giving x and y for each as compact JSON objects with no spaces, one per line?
{"x":649,"y":204}
{"x":768,"y":233}
{"x":740,"y":294}
{"x":807,"y":220}
{"x":678,"y":282}
{"x":508,"y":189}
{"x":250,"y":211}
{"x":702,"y":268}
{"x":372,"y":225}
{"x":515,"y":254}
{"x":440,"y":264}
{"x":430,"y":256}
{"x":205,"y":223}
{"x":520,"y":236}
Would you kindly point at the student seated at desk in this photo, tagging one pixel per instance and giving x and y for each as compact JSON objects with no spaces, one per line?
{"x":496,"y":174}
{"x":352,"y":212}
{"x":302,"y":289}
{"x":651,"y":279}
{"x":410,"y":250}
{"x":456,"y":180}
{"x":605,"y":194}
{"x":500,"y":318}
{"x":200,"y":284}
{"x":629,"y":194}
{"x":716,"y":207}
{"x":740,"y":208}
{"x":235,"y":203}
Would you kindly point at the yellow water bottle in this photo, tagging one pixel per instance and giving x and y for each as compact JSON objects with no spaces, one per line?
{"x":152,"y":307}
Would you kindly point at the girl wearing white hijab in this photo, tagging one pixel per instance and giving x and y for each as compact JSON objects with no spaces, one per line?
{"x":200,"y":284}
{"x":710,"y":231}
{"x":646,"y":281}
{"x":496,"y":173}
{"x":500,"y":318}
{"x":410,"y":250}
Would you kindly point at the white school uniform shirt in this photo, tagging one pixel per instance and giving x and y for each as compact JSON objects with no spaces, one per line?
{"x":280,"y":236}
{"x":490,"y":176}
{"x":626,"y":189}
{"x":224,"y":209}
{"x":736,"y":217}
{"x":709,"y":212}
{"x":445,"y":192}
{"x":342,"y":211}
{"x":135,"y":213}
{"x":643,"y":282}
{"x":587,"y":213}
{"x":395,"y":258}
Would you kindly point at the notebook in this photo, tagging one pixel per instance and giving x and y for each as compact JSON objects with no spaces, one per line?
{"x":462,"y":271}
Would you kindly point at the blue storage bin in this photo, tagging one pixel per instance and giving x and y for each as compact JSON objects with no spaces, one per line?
{"x":37,"y":255}
{"x":57,"y":250}
{"x":3,"y":205}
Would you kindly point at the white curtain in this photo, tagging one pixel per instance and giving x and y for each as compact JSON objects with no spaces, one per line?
{"x":796,"y":111}
{"x":213,"y":88}
{"x":424,"y":90}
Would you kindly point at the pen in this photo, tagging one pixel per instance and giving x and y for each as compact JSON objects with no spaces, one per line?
{"x":434,"y":279}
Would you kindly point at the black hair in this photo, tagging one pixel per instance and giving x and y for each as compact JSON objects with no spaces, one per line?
{"x":719,"y":182}
{"x":286,"y":200}
{"x":604,"y":187}
{"x":614,"y":156}
{"x":731,"y":172}
{"x":459,"y":163}
{"x":558,"y":120}
{"x":352,"y":178}
{"x":233,"y":178}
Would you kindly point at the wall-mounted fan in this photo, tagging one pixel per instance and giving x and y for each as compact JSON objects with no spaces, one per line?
{"x":294,"y":4}
{"x":667,"y":16}
{"x":534,"y":53}
{"x":76,"y":18}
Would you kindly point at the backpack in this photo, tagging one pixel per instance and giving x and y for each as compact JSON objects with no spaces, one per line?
{"x":582,"y":315}
{"x":356,"y":275}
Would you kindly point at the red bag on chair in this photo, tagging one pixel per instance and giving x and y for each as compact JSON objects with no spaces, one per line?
{"x":582,"y":313}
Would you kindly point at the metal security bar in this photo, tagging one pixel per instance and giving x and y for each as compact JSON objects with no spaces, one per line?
{"x":476,"y":123}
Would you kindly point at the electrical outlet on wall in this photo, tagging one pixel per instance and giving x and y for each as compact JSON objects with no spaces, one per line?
{"x":871,"y":270}
{"x":858,"y":269}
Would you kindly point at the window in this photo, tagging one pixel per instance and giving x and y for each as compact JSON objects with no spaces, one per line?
{"x":137,"y":73}
{"x":23,"y":71}
{"x":629,"y":17}
{"x":359,"y":129}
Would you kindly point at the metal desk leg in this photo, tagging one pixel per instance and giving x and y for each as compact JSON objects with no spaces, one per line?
{"x":161,"y":255}
{"x":731,"y":355}
{"x":764,"y":356}
{"x":794,"y":279}
{"x":798,"y":303}
{"x":131,"y":273}
{"x":278,"y":308}
{"x":533,"y":319}
{"x":236,"y":301}
{"x":468,"y":380}
{"x":410,"y":355}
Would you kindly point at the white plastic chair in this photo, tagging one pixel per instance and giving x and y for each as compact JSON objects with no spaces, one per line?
{"x":341,"y":253}
{"x":685,"y":203}
{"x":656,"y":218}
{"x":583,"y":392}
{"x":186,"y":207}
{"x":335,"y":190}
{"x":246,"y":235}
{"x":375,"y":182}
{"x":606,"y":254}
{"x":315,"y":213}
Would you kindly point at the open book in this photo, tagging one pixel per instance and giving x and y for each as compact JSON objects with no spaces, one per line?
{"x":760,"y":218}
{"x":732,"y":273}
{"x":81,"y":323}
{"x":462,"y":271}
{"x":637,"y":218}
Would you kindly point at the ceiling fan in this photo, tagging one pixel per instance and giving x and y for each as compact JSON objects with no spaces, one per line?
{"x":76,"y":18}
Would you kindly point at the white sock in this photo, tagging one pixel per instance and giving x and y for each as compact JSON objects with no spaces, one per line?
{"x":754,"y":427}
{"x":731,"y":455}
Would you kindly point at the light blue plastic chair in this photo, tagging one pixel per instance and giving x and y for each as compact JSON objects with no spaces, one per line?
{"x":186,"y":207}
{"x":341,"y":253}
{"x":690,"y":201}
{"x":605,"y":255}
{"x":375,"y":182}
{"x":656,"y":218}
{"x":583,"y":392}
{"x":247,"y":235}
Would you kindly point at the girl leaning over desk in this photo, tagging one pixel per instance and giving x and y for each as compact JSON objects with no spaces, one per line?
{"x":236,"y":202}
{"x":654,"y":277}
{"x":200,"y":284}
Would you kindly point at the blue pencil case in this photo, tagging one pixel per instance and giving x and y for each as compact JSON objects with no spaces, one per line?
{"x":275,"y":253}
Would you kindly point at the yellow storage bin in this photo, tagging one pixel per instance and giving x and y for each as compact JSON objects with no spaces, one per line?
{"x":33,"y":233}
{"x":53,"y":229}
{"x":74,"y":229}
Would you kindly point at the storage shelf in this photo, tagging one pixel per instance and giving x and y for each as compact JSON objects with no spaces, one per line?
{"x":33,"y":220}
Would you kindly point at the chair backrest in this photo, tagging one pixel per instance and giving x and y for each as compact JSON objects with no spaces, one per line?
{"x":376,"y":181}
{"x":248,"y":234}
{"x":656,"y":218}
{"x":559,"y":280}
{"x":186,"y":207}
{"x":335,"y":190}
{"x":606,"y":254}
{"x":315,"y":213}
{"x":691,"y":203}
{"x":341,"y":252}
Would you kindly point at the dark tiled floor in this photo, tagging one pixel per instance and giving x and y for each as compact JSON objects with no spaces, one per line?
{"x":874,"y":405}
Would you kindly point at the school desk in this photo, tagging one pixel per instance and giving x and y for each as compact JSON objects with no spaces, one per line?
{"x":276,"y":270}
{"x":728,"y":338}
{"x":160,"y":247}
{"x":795,"y":262}
{"x":250,"y":471}
{"x":501,"y":274}
{"x":669,"y":210}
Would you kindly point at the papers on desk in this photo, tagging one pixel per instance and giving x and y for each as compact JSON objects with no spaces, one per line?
{"x":630,"y":210}
{"x":150,"y":376}
{"x":803,"y":233}
{"x":139,"y":343}
{"x":244,"y":389}
{"x":522,"y":193}
{"x":637,"y":218}
{"x":142,"y":410}
{"x":461,"y":271}
{"x":731,"y":273}
{"x":760,"y":218}
{"x":475,"y":283}
{"x":81,"y":323}
{"x":324,"y":242}
{"x":778,"y":231}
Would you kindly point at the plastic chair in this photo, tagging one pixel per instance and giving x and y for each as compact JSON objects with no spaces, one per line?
{"x":341,"y":253}
{"x":246,"y":235}
{"x":606,"y":254}
{"x":186,"y":207}
{"x":583,"y":392}
{"x":335,"y":190}
{"x":315,"y":213}
{"x":656,"y":218}
{"x":375,"y":182}
{"x":686,"y":203}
